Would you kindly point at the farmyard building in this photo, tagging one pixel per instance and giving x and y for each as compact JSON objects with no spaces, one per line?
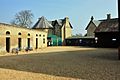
{"x":17,"y":37}
{"x":36,"y":37}
{"x":58,"y":30}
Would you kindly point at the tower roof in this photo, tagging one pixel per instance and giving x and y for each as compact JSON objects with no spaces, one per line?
{"x":42,"y":23}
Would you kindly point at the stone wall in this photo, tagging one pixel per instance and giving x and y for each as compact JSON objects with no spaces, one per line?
{"x":90,"y":30}
{"x":66,"y":30}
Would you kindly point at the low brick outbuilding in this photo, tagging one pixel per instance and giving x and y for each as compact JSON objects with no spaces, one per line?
{"x":18,"y":37}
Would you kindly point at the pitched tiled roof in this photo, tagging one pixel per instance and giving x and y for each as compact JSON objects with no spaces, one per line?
{"x":42,"y":23}
{"x":110,"y":25}
{"x":95,"y":22}
{"x":10,"y":25}
{"x":60,"y":22}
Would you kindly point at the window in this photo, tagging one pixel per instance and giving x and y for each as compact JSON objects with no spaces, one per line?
{"x":43,"y":40}
{"x":28,"y":34}
{"x":40,"y":35}
{"x":7,"y":33}
{"x":80,"y":40}
{"x":114,"y":39}
{"x":96,"y":38}
{"x":43,"y":35}
{"x":19,"y":33}
{"x":36,"y":34}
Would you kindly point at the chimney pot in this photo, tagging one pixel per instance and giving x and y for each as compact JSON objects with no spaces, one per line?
{"x":108,"y":16}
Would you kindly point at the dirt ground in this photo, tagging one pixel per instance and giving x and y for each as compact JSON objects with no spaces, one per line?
{"x":61,"y":63}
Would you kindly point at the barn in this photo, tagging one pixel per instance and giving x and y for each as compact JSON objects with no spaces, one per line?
{"x":107,"y":33}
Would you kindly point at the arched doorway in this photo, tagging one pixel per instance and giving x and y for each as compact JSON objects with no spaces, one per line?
{"x":8,"y":41}
{"x":19,"y":41}
{"x":36,"y":43}
{"x":28,"y":42}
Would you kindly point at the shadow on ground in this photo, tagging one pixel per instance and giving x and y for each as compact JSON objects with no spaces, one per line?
{"x":88,"y":64}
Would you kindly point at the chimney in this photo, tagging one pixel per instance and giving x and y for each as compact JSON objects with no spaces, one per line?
{"x":108,"y":16}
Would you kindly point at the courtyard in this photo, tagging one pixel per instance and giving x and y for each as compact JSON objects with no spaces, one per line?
{"x":61,"y":63}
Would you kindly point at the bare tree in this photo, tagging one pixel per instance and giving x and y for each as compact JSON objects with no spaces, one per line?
{"x":23,"y":18}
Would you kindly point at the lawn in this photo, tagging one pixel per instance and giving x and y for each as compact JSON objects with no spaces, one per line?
{"x":56,"y":63}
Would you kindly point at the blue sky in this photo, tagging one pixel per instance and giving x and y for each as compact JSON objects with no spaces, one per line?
{"x":78,"y":11}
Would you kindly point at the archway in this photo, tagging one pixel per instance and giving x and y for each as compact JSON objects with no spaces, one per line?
{"x":8,"y":41}
{"x":36,"y":43}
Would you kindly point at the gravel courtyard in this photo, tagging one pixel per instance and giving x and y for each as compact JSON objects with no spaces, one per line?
{"x":61,"y":63}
